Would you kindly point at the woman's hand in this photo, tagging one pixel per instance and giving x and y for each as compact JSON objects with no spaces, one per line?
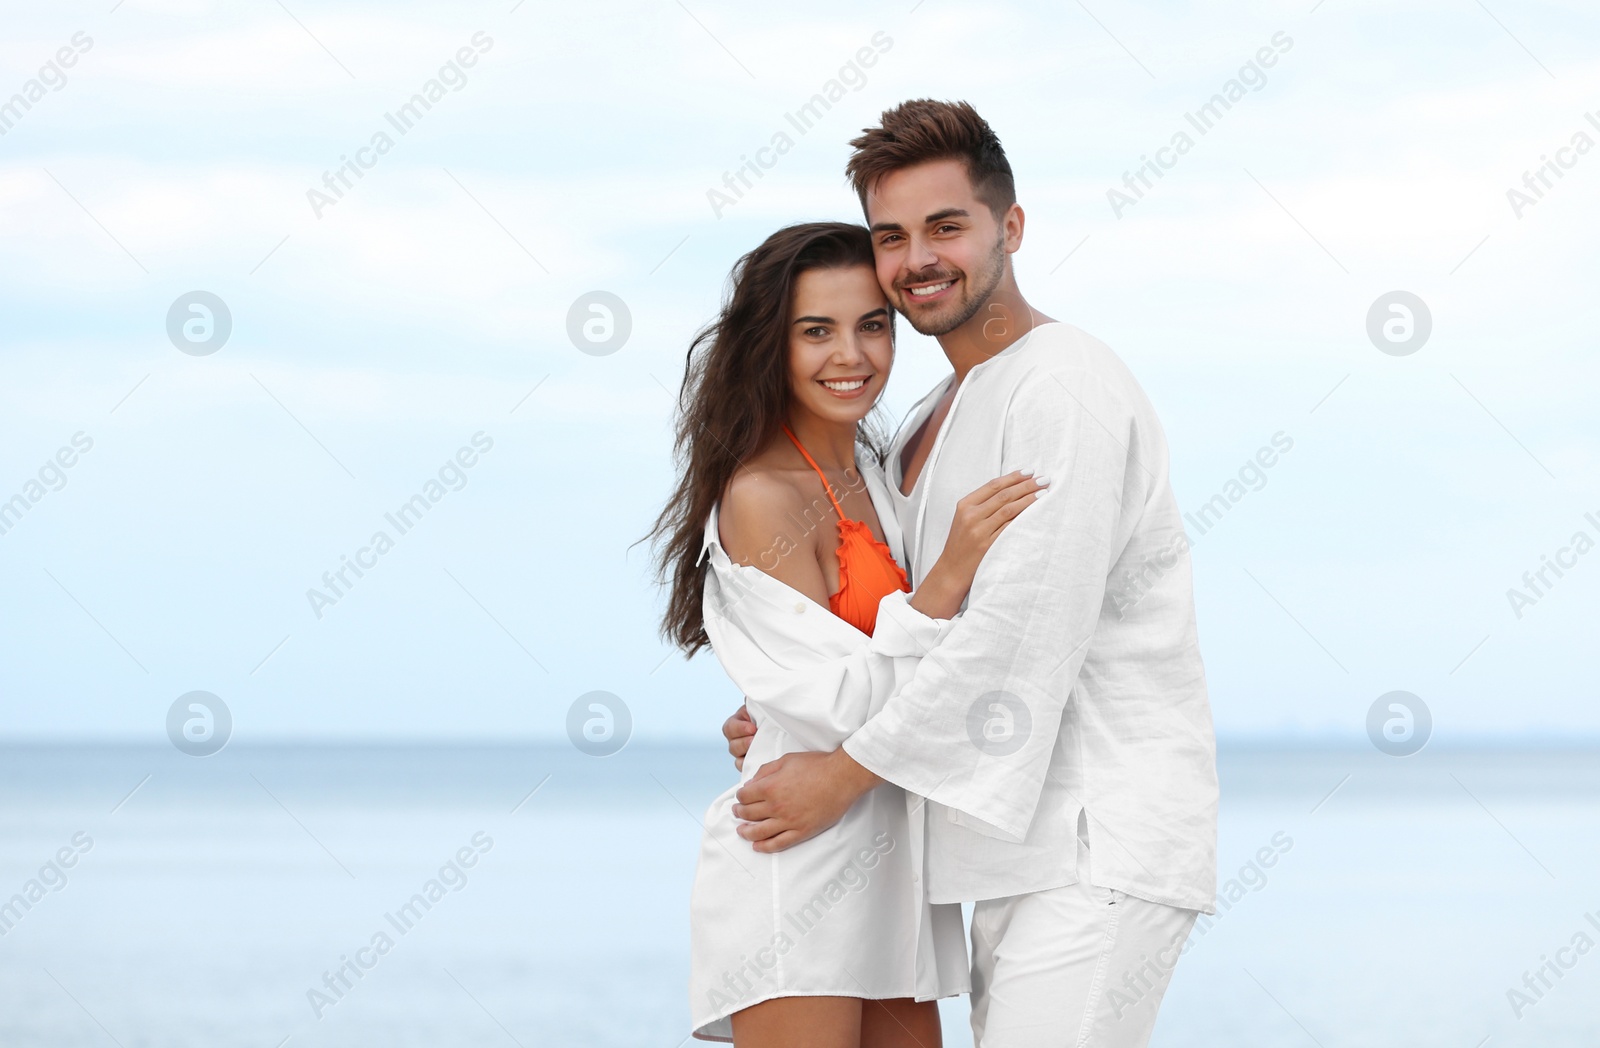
{"x":979,"y":519}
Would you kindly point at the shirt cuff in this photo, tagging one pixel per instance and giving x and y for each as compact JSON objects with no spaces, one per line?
{"x":904,"y":632}
{"x":869,"y":748}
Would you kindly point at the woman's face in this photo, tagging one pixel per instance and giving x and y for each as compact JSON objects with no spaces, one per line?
{"x":840,"y":348}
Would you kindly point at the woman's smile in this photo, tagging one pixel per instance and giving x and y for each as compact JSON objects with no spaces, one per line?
{"x":846,"y":388}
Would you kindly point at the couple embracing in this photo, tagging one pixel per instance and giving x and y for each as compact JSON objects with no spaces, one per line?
{"x":947,"y":699}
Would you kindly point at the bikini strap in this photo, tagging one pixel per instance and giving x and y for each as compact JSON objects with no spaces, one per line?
{"x":825,"y":485}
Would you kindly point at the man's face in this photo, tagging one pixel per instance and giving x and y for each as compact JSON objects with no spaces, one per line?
{"x":940,"y":252}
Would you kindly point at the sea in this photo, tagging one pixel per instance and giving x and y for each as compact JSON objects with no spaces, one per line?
{"x":262,"y":897}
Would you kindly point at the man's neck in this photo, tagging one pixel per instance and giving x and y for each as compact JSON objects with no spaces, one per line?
{"x":1003,"y":318}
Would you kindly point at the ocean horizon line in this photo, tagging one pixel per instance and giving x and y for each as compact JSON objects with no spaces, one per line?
{"x":1225,"y":743}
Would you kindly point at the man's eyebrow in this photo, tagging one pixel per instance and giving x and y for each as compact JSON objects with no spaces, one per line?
{"x":937,"y":216}
{"x":813,"y":320}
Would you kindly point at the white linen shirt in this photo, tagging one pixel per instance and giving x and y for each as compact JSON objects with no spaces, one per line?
{"x":1048,"y":696}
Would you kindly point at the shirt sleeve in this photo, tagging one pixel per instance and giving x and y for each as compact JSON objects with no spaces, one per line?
{"x":818,"y":686}
{"x":975,"y":725}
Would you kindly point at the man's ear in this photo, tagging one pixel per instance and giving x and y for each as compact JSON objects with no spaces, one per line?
{"x":1012,"y":225}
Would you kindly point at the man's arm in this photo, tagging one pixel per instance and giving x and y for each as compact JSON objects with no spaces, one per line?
{"x":780,"y":807}
{"x":975,"y":726}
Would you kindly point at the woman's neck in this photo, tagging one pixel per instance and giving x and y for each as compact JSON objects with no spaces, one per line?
{"x":832,"y":444}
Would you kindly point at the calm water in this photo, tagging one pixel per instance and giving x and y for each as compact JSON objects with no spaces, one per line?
{"x":201,"y":909}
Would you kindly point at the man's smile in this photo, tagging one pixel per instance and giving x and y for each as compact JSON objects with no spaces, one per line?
{"x":931,"y":292}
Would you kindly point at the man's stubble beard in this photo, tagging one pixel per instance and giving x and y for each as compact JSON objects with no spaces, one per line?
{"x":992,"y":274}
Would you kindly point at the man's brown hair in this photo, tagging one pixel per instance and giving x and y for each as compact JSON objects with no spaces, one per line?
{"x":921,"y":130}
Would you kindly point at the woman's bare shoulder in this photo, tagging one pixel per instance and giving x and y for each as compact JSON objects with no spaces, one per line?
{"x":757,"y":517}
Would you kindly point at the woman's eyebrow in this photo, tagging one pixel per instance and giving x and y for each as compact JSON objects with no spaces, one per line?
{"x":880,"y":311}
{"x":813,"y":320}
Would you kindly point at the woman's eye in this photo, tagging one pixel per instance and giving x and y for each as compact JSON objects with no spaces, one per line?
{"x":816,"y":332}
{"x":872,"y":325}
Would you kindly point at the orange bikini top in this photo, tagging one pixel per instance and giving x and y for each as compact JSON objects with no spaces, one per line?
{"x":867,"y":569}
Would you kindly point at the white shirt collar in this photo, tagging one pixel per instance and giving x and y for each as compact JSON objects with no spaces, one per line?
{"x":712,"y":538}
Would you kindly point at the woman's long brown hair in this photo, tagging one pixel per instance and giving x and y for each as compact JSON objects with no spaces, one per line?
{"x":735,"y":398}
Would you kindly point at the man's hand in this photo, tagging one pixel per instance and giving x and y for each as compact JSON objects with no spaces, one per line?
{"x":797,"y":796}
{"x":739,"y":729}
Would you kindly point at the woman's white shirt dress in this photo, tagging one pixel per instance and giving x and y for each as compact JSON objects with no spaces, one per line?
{"x":844,"y":913}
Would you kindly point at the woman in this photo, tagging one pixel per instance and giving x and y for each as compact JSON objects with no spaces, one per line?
{"x":777,"y":557}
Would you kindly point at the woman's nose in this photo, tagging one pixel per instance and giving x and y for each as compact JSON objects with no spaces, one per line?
{"x":848,"y":350}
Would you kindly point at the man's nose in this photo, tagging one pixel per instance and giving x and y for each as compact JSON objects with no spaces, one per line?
{"x":921,"y":256}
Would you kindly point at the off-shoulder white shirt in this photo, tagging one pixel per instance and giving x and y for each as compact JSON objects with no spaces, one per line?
{"x":845,"y":913}
{"x":1048,"y":696}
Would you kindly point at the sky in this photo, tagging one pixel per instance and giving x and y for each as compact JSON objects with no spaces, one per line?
{"x":381,"y":335}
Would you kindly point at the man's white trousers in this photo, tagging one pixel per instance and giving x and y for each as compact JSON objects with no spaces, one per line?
{"x":1072,"y":966}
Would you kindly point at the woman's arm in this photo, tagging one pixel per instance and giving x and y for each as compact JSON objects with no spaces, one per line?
{"x":979,"y":519}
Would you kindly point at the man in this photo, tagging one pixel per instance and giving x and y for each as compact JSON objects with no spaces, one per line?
{"x":1061,"y":731}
